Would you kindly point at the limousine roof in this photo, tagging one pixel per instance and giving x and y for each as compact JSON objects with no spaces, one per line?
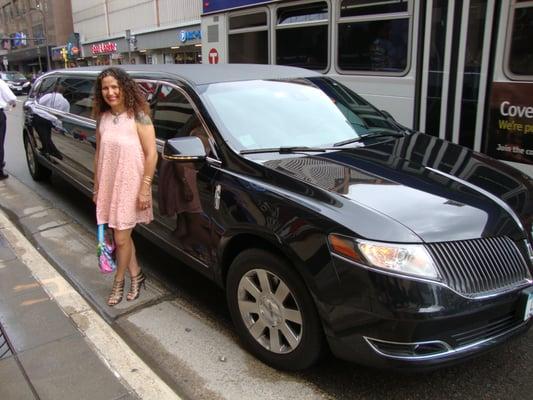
{"x":200,"y":74}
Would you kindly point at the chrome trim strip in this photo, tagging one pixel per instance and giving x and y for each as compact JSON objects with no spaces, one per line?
{"x":181,"y":158}
{"x":436,"y":356}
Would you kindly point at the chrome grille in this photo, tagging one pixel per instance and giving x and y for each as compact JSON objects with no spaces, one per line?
{"x":480,"y":266}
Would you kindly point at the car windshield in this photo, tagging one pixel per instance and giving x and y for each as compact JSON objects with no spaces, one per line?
{"x":13,"y":76}
{"x":313,"y":112}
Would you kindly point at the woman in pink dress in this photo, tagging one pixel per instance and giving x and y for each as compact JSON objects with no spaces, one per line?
{"x":124,"y":165}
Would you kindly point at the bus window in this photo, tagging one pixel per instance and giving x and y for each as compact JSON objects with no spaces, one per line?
{"x":302,"y":36}
{"x":248,"y":38}
{"x":373,"y":36}
{"x":521,"y":54}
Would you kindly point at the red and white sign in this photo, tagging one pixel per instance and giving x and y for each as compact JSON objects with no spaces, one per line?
{"x":99,"y":48}
{"x":213,"y":56}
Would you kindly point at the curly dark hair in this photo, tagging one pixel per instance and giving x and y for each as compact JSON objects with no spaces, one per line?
{"x":134,"y":100}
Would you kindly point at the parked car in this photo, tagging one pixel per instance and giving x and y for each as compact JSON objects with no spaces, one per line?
{"x":16,"y":81}
{"x":328,"y":224}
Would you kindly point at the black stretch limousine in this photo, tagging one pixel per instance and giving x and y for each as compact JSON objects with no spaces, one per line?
{"x":328,"y":224}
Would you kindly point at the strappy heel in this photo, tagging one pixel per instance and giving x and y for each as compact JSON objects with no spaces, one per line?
{"x":135,"y":287}
{"x":117,"y":292}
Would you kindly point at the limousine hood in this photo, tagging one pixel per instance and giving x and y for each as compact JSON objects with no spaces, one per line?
{"x":437,"y":190}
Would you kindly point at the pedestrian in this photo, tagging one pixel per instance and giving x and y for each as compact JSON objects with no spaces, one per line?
{"x":124,"y":165}
{"x":7,"y":98}
{"x":43,"y":121}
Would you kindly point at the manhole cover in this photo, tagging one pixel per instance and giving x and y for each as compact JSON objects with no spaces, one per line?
{"x":5,"y":348}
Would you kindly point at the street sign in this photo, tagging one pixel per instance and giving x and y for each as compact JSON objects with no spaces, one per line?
{"x":213,"y":56}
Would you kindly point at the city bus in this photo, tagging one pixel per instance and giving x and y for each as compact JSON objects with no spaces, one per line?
{"x":461,"y":70}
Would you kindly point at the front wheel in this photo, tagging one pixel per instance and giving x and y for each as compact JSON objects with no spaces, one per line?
{"x":37,"y":171}
{"x":272,"y":310}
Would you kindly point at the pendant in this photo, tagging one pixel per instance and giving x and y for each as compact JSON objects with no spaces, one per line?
{"x":115,"y":119}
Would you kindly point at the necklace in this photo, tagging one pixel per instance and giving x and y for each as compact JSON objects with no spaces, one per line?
{"x":115,"y":116}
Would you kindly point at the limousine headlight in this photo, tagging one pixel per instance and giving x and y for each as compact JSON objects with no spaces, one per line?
{"x":412,"y":259}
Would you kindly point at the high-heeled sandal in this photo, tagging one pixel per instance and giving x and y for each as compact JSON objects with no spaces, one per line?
{"x":135,"y":286}
{"x":117,"y":292}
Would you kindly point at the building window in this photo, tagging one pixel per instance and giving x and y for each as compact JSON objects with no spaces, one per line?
{"x":302,"y":36}
{"x":520,"y":56}
{"x":38,"y":33}
{"x":374,"y":36}
{"x":248,"y":38}
{"x":16,"y":9}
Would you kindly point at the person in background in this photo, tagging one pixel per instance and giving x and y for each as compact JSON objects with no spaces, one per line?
{"x":7,"y":98}
{"x":124,"y":166}
{"x":43,"y":121}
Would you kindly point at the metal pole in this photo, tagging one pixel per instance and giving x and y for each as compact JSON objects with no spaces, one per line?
{"x":39,"y":57}
{"x":39,"y":7}
{"x":48,"y":63}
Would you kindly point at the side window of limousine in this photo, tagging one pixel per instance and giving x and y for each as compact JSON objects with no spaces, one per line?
{"x":172,"y":113}
{"x":46,"y":87}
{"x":79,"y":93}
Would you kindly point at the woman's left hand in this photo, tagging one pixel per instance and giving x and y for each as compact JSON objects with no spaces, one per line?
{"x":144,"y":200}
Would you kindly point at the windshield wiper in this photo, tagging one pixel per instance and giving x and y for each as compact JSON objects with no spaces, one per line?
{"x":345,"y":142}
{"x":286,"y":150}
{"x":369,"y":135}
{"x":383,"y":134}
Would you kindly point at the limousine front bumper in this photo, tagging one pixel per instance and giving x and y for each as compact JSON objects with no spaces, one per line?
{"x":390,"y":321}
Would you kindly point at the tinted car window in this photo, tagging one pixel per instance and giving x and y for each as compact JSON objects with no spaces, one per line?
{"x":13,"y":76}
{"x":171,"y":114}
{"x":47,"y":86}
{"x":79,"y":93}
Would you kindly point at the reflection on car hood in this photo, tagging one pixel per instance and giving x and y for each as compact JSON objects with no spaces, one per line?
{"x":438,"y":190}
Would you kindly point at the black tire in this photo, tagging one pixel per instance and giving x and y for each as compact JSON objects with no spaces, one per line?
{"x":253,"y":266}
{"x":37,"y":171}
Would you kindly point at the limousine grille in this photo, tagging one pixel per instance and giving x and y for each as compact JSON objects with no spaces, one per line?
{"x":480,"y":266}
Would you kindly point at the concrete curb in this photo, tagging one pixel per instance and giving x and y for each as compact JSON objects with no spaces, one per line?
{"x":108,"y":345}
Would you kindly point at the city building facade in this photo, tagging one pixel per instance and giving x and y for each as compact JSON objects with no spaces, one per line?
{"x":30,"y":30}
{"x":138,"y":31}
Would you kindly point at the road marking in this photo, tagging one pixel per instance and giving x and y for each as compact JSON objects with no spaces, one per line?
{"x":109,"y":346}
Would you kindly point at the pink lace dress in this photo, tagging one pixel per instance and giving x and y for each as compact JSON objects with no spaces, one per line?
{"x":120,"y":173}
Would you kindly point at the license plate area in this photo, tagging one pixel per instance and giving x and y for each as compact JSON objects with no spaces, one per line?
{"x":527,"y":304}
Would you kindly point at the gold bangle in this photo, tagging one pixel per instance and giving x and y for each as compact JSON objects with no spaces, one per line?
{"x":147,"y":178}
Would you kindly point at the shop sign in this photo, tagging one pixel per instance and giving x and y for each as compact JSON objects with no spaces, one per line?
{"x":187,"y":36}
{"x":100,"y":48}
{"x":511,"y":122}
{"x":214,"y":5}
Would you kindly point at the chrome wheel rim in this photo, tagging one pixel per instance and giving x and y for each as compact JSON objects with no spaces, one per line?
{"x":270,"y":311}
{"x":30,"y":157}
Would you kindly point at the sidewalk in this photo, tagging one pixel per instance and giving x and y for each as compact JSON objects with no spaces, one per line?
{"x":52,"y":344}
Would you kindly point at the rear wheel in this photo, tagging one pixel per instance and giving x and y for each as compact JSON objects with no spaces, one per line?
{"x":37,"y":171}
{"x":273,"y":311}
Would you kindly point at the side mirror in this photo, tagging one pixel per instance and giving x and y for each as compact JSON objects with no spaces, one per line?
{"x":184,"y":149}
